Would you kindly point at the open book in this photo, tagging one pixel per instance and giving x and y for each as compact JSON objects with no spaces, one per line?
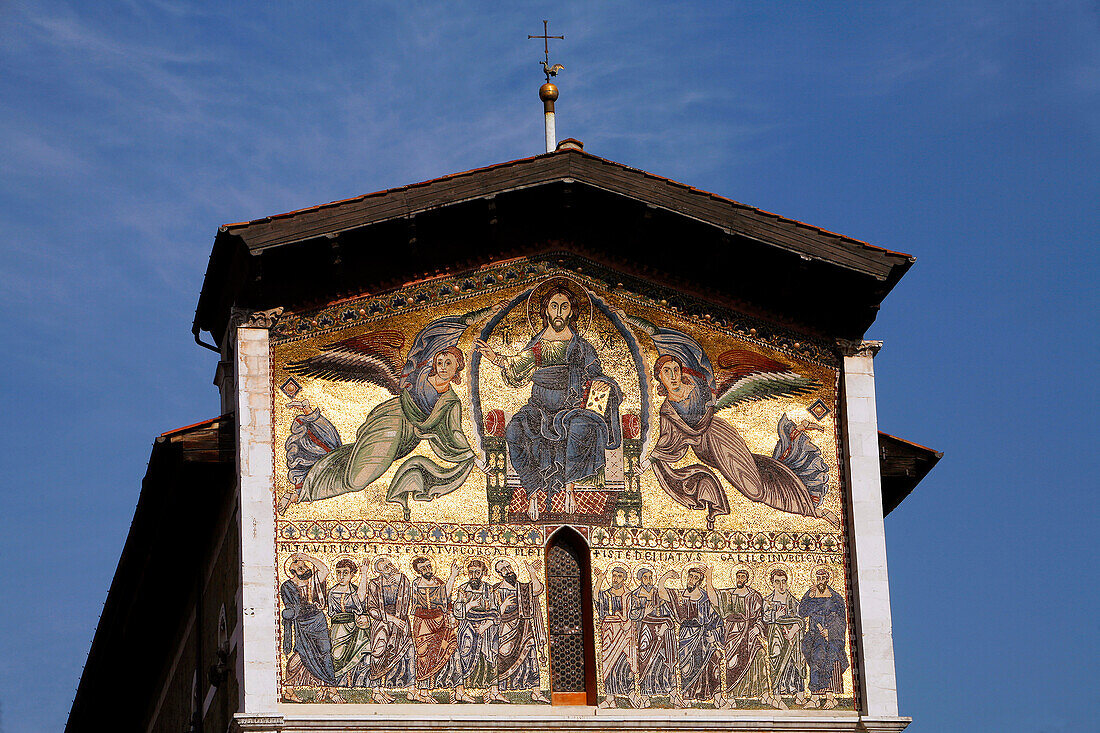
{"x":598,"y":394}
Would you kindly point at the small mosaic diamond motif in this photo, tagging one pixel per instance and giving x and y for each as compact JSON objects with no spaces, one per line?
{"x":819,"y":409}
{"x":291,"y":388}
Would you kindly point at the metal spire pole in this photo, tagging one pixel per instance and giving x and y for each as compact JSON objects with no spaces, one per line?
{"x":548,"y":93}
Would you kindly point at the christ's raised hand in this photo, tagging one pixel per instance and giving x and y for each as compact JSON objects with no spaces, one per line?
{"x":488,"y":352}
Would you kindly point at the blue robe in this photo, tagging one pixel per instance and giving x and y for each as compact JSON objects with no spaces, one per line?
{"x":311,"y":437}
{"x":699,"y":645}
{"x":519,"y":636}
{"x":656,"y":644}
{"x":553,"y":440}
{"x":825,"y":657}
{"x":800,"y":454}
{"x":305,"y":631}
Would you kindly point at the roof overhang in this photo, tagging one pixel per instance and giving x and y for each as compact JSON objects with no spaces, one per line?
{"x":185,"y":501}
{"x":575,"y":200}
{"x":902,"y":464}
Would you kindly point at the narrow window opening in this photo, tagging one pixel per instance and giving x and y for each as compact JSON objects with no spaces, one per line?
{"x":569,"y":604}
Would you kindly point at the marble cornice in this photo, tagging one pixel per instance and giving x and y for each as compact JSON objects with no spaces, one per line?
{"x":856,"y":347}
{"x":585,"y":719}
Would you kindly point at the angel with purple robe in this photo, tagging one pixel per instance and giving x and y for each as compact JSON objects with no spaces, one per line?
{"x":689,"y":420}
{"x":424,"y":408}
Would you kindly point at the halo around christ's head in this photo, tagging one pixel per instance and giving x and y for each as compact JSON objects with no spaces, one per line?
{"x":578,"y":296}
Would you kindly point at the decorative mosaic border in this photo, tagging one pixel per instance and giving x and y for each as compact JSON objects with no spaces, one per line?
{"x":444,"y":290}
{"x":497,"y":535}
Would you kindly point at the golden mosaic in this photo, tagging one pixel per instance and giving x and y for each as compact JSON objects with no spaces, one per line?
{"x":433,"y":443}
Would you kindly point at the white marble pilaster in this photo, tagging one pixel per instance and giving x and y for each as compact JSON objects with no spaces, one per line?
{"x":255,"y":475}
{"x":871,"y":587}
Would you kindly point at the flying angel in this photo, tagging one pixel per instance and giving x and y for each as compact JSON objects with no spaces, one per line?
{"x":424,"y":407}
{"x":693,"y":394}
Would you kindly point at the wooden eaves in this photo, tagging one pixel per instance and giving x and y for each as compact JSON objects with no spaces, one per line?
{"x":554,"y":197}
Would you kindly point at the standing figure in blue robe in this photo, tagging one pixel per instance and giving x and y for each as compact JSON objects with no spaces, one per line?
{"x":698,"y":638}
{"x":556,"y":440}
{"x":306,"y":640}
{"x":823,"y":644}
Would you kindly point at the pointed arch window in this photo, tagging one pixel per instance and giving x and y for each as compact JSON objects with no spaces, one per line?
{"x":569,"y":612}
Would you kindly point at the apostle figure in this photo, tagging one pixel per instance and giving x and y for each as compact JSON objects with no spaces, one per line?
{"x":823,"y":644}
{"x":699,"y":637}
{"x":522,"y":634}
{"x":617,"y":610}
{"x":688,"y":420}
{"x":388,"y":599}
{"x":424,"y":408}
{"x":746,"y":667}
{"x":350,"y":627}
{"x":656,"y":640}
{"x":572,"y":416}
{"x":475,"y":611}
{"x":305,"y":630}
{"x":785,"y":629}
{"x":434,"y":634}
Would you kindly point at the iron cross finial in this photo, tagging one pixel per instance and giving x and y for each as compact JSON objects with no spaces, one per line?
{"x":546,"y":67}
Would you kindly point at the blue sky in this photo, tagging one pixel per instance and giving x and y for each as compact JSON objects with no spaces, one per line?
{"x":965,"y":133}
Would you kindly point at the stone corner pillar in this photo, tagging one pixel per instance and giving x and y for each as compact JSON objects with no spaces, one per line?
{"x":257,"y":662}
{"x":867,"y":537}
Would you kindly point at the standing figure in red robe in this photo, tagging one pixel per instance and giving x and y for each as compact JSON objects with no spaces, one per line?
{"x":434,"y":634}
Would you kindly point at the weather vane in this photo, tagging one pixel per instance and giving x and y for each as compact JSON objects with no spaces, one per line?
{"x":548,"y":93}
{"x":546,"y":67}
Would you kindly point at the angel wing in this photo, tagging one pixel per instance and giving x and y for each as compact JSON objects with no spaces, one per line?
{"x":638,"y":323}
{"x":371,"y":357}
{"x":748,"y":377}
{"x":481,"y":315}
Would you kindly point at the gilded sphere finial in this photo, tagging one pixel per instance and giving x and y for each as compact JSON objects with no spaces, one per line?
{"x":548,"y":92}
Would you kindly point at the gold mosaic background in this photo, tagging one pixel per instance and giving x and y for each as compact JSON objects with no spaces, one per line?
{"x":362,"y":525}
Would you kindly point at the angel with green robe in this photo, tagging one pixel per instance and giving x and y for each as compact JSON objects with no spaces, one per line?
{"x":424,"y":408}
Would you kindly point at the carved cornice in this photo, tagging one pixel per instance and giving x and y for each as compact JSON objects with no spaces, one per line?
{"x":256,"y":723}
{"x":855,"y":347}
{"x":242,"y":318}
